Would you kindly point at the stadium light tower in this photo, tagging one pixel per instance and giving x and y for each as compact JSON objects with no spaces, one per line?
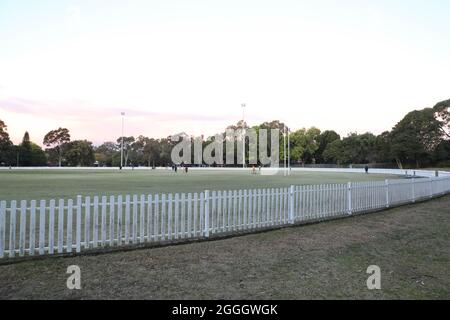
{"x":121,"y":147}
{"x":289,"y":150}
{"x":284,"y":148}
{"x":243,"y":134}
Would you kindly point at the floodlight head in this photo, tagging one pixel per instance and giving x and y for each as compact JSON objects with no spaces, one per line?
{"x":122,"y":113}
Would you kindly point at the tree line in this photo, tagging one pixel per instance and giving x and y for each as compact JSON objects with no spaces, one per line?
{"x":421,"y":138}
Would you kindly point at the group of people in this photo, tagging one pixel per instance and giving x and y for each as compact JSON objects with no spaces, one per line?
{"x":185,"y":167}
{"x":254,"y":169}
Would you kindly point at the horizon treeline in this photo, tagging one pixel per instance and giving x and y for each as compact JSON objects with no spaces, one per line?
{"x":421,"y":138}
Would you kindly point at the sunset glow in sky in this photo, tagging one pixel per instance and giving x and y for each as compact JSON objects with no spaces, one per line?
{"x":180,"y":65}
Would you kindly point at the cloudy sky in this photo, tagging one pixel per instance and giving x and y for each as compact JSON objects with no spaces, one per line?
{"x":187,"y":65}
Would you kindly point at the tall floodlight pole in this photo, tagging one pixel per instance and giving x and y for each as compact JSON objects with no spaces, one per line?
{"x":289,"y":150}
{"x":284,"y":147}
{"x":121,"y":147}
{"x":243,"y":135}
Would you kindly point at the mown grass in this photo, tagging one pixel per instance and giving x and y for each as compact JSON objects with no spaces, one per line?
{"x":64,"y":184}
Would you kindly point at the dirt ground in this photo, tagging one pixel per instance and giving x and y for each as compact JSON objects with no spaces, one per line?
{"x":322,"y":261}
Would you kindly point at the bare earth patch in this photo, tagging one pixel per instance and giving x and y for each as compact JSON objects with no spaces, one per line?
{"x":322,"y":261}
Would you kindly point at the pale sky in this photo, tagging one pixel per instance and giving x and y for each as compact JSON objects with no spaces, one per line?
{"x":187,"y":65}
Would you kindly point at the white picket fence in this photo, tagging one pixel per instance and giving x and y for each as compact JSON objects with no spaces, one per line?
{"x":49,"y":227}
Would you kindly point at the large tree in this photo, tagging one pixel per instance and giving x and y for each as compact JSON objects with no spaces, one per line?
{"x":152,"y":150}
{"x":4,"y":136}
{"x":283,"y":130}
{"x":25,"y":152}
{"x":106,"y":154}
{"x":355,"y":148}
{"x":441,"y":155}
{"x":442,"y":114}
{"x":333,"y":152}
{"x":383,"y":152}
{"x":6,"y":146}
{"x":56,"y":139}
{"x":38,"y":157}
{"x":137,"y":151}
{"x":127,"y":147}
{"x":165,"y":151}
{"x":304,"y":144}
{"x":324,"y":139}
{"x":416,"y":136}
{"x":80,"y":153}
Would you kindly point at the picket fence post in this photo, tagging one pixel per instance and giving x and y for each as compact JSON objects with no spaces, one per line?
{"x":2,"y":228}
{"x":386,"y":182}
{"x":291,"y":205}
{"x":42,"y":227}
{"x":206,"y":213}
{"x":349,"y":197}
{"x":32,"y":228}
{"x":22,"y":226}
{"x":431,"y":187}
{"x":69,"y":225}
{"x":78,"y":223}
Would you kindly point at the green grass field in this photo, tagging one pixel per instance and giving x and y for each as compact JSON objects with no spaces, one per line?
{"x":55,"y":184}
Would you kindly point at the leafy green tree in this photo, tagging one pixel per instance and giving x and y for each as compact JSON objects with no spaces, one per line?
{"x":25,"y":152}
{"x":3,"y":134}
{"x":416,"y":136}
{"x":165,"y":151}
{"x":275,"y":124}
{"x":106,"y":153}
{"x":365,"y":144}
{"x":304,"y":144}
{"x":80,"y":153}
{"x":324,"y":139}
{"x":30,"y":154}
{"x":281,"y":126}
{"x":441,"y":155}
{"x":127,"y":147}
{"x":352,"y":149}
{"x":138,"y":150}
{"x":38,"y":157}
{"x":238,"y":126}
{"x":6,"y":146}
{"x":152,"y":150}
{"x":442,"y":114}
{"x":333,"y":152}
{"x":383,"y":148}
{"x":57,"y":139}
